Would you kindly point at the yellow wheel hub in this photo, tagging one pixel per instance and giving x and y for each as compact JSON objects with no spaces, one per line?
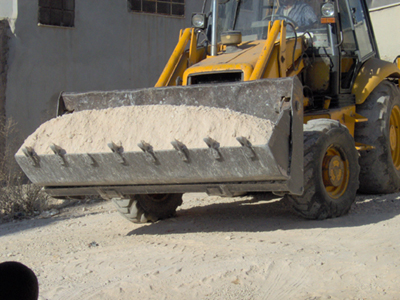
{"x":394,"y":136}
{"x":335,"y":173}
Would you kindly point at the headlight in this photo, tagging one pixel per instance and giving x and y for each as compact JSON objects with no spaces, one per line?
{"x":199,"y":20}
{"x":328,"y":10}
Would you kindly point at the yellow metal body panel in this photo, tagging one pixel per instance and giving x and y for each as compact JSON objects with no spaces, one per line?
{"x":273,"y":69}
{"x":282,"y":53}
{"x":345,"y":115}
{"x":296,"y":66}
{"x":247,"y":53}
{"x":271,"y":58}
{"x":371,"y":74}
{"x":247,"y":69}
{"x":346,"y":64}
{"x":317,"y":74}
{"x":398,"y":65}
{"x":243,"y":60}
{"x":266,"y":51}
{"x":174,"y":59}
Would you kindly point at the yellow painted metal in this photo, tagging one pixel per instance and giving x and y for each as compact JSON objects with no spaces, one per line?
{"x":342,"y":115}
{"x":398,"y":65}
{"x":394,"y":136}
{"x":290,"y":43}
{"x":247,"y":69}
{"x":193,"y":48}
{"x":306,"y":102}
{"x":309,"y":117}
{"x":299,"y":67}
{"x":359,"y":118}
{"x":266,"y":51}
{"x":346,"y":64}
{"x":247,"y":53}
{"x":271,"y":58}
{"x":363,"y":147}
{"x":335,"y":172}
{"x":174,"y":59}
{"x":282,"y":52}
{"x":180,"y":68}
{"x":243,"y":61}
{"x":272,"y":69}
{"x":246,"y":58}
{"x":371,"y":74}
{"x":327,"y":103}
{"x":345,"y":115}
{"x":317,"y":74}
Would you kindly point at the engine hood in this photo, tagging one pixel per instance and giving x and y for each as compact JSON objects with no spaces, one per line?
{"x":242,"y":61}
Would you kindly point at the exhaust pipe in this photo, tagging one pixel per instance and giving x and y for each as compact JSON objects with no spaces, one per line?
{"x":214,"y":36}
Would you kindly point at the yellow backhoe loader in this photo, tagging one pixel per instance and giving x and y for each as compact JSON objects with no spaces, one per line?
{"x":310,"y":70}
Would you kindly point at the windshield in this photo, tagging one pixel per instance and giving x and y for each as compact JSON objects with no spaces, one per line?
{"x":251,"y":17}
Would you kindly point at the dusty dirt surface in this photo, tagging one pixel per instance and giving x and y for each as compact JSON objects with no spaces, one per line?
{"x":215,"y":248}
{"x":90,"y":131}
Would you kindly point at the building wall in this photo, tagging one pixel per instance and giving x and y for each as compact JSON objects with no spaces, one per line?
{"x":380,"y":3}
{"x":4,"y":33}
{"x":109,"y":48}
{"x":387,"y":36}
{"x":8,"y":8}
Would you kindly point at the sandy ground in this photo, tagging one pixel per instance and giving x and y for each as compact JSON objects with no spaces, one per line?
{"x":216,"y":248}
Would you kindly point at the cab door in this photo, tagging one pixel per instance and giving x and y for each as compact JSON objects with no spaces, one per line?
{"x":357,"y":43}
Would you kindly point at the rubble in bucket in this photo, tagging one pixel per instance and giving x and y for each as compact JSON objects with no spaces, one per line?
{"x":136,"y":128}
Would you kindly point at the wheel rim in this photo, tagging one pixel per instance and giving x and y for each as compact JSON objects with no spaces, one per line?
{"x":335,"y":172}
{"x":394,"y":134}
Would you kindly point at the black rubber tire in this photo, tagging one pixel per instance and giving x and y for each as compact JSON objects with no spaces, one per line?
{"x":378,"y":174}
{"x":316,"y":203}
{"x":148,"y":208}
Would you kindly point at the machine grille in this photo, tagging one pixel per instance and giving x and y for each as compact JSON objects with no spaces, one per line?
{"x":215,"y":78}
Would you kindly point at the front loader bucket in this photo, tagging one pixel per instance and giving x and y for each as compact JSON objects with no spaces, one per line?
{"x":218,"y":139}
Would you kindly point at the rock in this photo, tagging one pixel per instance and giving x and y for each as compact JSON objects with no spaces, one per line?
{"x":49,"y":213}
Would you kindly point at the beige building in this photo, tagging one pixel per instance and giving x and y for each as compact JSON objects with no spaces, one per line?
{"x":384,"y":16}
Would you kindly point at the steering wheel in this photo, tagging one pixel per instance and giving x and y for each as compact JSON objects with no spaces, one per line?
{"x":280,"y":17}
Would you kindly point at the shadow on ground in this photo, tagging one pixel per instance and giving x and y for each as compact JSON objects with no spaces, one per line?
{"x":243,"y":215}
{"x":266,"y":215}
{"x":14,"y":225}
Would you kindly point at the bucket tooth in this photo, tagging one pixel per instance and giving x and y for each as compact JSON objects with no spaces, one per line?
{"x":183,"y":151}
{"x":214,"y":147}
{"x":33,"y":157}
{"x":59,"y":152}
{"x":247,"y":147}
{"x":117,"y":150}
{"x":89,"y":159}
{"x":148,"y":151}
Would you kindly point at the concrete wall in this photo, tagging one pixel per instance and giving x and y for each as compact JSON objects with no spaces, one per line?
{"x":384,"y":21}
{"x":109,"y":48}
{"x":4,"y":37}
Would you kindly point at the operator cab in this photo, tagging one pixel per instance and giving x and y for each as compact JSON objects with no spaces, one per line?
{"x":337,"y":39}
{"x":252,"y":17}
